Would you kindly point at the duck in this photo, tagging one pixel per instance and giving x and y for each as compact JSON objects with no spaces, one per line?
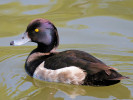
{"x":70,"y":66}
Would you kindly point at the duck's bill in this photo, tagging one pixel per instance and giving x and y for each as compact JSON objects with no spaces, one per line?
{"x":24,"y":39}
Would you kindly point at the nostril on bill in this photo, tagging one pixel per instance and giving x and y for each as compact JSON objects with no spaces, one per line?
{"x":12,"y":43}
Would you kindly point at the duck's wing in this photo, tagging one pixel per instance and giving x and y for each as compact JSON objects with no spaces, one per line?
{"x":78,"y":59}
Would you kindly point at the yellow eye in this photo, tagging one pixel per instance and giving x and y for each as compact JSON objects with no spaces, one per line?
{"x":36,"y":30}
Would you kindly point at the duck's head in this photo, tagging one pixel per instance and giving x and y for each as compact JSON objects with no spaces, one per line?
{"x":40,"y":31}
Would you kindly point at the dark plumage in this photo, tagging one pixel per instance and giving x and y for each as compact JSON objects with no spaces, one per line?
{"x":71,"y":66}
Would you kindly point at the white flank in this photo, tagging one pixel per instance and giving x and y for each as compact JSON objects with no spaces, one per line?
{"x":69,"y":75}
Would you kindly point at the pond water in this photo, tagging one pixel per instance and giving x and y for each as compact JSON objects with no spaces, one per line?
{"x":103,"y":28}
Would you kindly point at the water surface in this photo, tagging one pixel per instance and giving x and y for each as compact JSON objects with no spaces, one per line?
{"x":103,"y":28}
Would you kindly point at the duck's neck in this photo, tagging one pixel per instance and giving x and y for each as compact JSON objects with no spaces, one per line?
{"x":44,"y":48}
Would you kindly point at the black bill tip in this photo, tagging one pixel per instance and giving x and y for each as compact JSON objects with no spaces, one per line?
{"x":12,"y":43}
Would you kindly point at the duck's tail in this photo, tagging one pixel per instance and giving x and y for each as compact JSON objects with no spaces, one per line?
{"x":113,"y":81}
{"x":120,"y":78}
{"x":103,"y":79}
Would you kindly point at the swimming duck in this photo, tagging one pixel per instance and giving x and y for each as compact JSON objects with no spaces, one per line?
{"x":70,"y":66}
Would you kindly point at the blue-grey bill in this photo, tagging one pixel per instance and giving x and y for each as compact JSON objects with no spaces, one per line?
{"x":24,"y":39}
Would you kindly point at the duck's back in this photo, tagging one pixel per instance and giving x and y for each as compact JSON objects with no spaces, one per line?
{"x":70,"y":58}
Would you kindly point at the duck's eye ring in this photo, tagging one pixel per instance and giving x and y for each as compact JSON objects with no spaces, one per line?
{"x":36,"y":30}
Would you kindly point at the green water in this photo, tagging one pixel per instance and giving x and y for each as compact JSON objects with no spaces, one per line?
{"x":103,"y":28}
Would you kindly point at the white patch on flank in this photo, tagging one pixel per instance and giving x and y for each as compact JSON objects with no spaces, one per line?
{"x":70,"y":75}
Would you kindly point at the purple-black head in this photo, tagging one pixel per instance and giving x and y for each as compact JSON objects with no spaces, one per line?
{"x":40,"y":31}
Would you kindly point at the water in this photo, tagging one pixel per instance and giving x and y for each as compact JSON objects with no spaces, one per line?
{"x":100,"y":27}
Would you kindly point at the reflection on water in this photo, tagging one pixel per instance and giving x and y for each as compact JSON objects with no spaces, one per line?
{"x":16,"y":14}
{"x":100,"y":27}
{"x":76,"y":92}
{"x":93,"y":30}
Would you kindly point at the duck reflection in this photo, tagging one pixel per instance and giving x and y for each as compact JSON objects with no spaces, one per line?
{"x":59,"y":91}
